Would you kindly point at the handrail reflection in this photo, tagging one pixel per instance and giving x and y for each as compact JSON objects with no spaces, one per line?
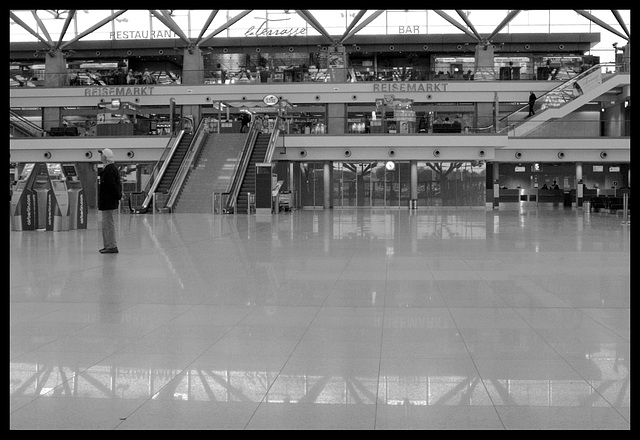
{"x":270,"y":385}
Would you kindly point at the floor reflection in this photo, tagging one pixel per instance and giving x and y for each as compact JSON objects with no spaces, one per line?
{"x":343,"y":318}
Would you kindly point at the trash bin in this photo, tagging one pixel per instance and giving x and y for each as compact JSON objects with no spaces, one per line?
{"x":413,"y":204}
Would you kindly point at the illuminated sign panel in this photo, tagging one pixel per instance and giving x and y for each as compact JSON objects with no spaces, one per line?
{"x":270,"y":100}
{"x":119,"y":91}
{"x":410,"y":87}
{"x":141,"y":35}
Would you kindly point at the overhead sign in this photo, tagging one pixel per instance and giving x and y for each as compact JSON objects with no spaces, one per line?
{"x":270,"y":99}
{"x":264,"y":31}
{"x":141,"y":35}
{"x":119,"y":91}
{"x":410,"y":87}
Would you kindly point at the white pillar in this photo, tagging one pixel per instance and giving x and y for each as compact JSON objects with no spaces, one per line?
{"x":579,"y":193}
{"x":327,"y":184}
{"x":414,"y":180}
{"x":496,"y":185}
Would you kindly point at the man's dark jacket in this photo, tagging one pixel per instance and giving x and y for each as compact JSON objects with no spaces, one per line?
{"x":110,"y":188}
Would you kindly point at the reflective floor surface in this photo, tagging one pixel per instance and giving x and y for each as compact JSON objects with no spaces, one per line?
{"x":327,"y":319}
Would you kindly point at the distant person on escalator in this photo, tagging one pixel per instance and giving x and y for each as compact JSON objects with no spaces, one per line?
{"x":245,"y":119}
{"x":532,"y":102}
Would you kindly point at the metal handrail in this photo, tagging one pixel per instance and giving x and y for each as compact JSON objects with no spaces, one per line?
{"x":492,"y":127}
{"x":271,"y":146}
{"x":243,"y":163}
{"x":25,"y":124}
{"x":159,"y":169}
{"x":192,"y":152}
{"x":559,"y":91}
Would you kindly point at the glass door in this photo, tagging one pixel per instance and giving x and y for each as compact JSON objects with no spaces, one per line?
{"x":377,"y":180}
{"x":311,"y":184}
{"x":352,"y":184}
{"x":349,"y":184}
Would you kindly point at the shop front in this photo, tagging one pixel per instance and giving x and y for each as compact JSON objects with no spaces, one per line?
{"x":387,"y":184}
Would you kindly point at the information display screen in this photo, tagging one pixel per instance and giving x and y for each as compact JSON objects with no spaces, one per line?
{"x":58,"y":185}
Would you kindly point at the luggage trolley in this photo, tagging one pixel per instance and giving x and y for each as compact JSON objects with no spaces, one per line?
{"x":286,"y":201}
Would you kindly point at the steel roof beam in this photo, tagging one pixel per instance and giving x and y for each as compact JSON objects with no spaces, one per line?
{"x":309,"y":18}
{"x":601,"y":23}
{"x":26,"y":27}
{"x":224,"y":26}
{"x":355,"y":20}
{"x":166,"y":19}
{"x":94,"y":27}
{"x":510,"y":16}
{"x":212,"y":15}
{"x":357,"y":29}
{"x":456,"y":24}
{"x":67,"y":22}
{"x":462,"y":14}
{"x":621,"y":22}
{"x":41,"y":25}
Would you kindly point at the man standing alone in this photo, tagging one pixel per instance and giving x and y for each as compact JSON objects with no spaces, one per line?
{"x":109,"y":195}
{"x":532,"y":101}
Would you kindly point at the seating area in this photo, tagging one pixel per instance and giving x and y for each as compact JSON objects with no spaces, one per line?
{"x":454,"y":127}
{"x":609,"y":203}
{"x":63,"y":131}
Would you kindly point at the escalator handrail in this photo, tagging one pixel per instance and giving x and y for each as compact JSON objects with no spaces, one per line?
{"x":25,"y":124}
{"x":491,"y":127}
{"x":192,"y":152}
{"x":160,"y":168}
{"x":566,"y":84}
{"x":243,"y":164}
{"x":271,"y":146}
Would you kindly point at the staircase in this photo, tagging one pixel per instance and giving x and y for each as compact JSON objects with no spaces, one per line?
{"x":22,"y":127}
{"x":529,"y":124}
{"x":213,"y":172}
{"x":249,"y":180}
{"x":174,"y":164}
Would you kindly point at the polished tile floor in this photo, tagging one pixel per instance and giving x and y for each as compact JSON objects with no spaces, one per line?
{"x":327,"y":319}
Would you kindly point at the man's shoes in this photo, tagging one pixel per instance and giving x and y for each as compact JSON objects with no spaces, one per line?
{"x":109,"y":250}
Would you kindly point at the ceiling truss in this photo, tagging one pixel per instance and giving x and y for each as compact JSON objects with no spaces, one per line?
{"x":165,"y":17}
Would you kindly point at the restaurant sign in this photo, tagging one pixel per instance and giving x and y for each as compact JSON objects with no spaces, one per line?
{"x":264,"y":31}
{"x":141,"y":35}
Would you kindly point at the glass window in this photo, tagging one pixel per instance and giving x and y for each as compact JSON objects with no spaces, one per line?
{"x":451,"y":183}
{"x":377,"y":176}
{"x":311,"y":185}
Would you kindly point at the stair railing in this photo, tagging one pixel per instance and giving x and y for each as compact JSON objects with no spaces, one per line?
{"x":271,"y":147}
{"x":560,"y":93}
{"x":241,"y":168}
{"x":554,"y":98}
{"x":192,"y":152}
{"x":157,"y":172}
{"x":24,"y":125}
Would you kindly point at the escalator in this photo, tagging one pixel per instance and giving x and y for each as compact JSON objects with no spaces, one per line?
{"x":169,"y":175}
{"x":561,"y":101}
{"x":163,"y":174}
{"x":20,"y":126}
{"x":249,"y":181}
{"x":258,"y":149}
{"x":173,"y":169}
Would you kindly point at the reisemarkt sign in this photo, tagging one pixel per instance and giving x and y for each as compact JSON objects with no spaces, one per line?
{"x":119,"y":91}
{"x":410,"y":87}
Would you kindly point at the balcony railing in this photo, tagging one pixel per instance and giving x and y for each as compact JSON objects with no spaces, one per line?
{"x":287,"y":75}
